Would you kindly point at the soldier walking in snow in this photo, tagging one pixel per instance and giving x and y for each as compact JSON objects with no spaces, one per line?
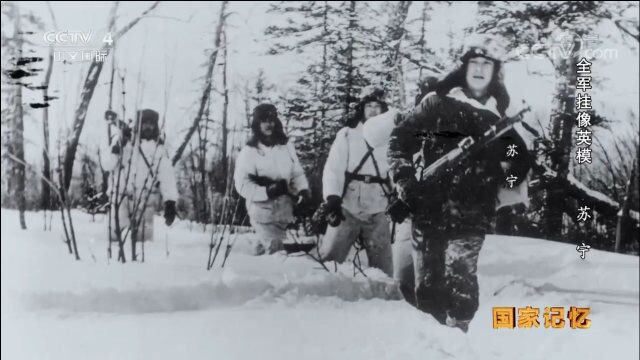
{"x":139,"y":167}
{"x":270,"y":177}
{"x":356,"y":188}
{"x":403,"y":263}
{"x":452,"y":214}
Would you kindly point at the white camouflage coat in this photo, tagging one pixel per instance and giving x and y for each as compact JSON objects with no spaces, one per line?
{"x":348,"y":149}
{"x":275,"y":162}
{"x":132,"y":189}
{"x":149,"y":159}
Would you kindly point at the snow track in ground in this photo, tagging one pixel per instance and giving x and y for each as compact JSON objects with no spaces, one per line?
{"x":232,"y":290}
{"x":278,"y":307}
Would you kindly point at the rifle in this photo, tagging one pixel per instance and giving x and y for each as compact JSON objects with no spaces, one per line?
{"x":319,"y":220}
{"x":298,"y":212}
{"x":261,"y":180}
{"x":452,"y":160}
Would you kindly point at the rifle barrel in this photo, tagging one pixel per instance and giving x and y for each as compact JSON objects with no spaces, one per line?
{"x":468,"y":145}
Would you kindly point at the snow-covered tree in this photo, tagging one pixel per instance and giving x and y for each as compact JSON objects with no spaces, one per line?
{"x":560,"y":27}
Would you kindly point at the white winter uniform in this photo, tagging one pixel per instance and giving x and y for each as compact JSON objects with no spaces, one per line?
{"x":363,"y":204}
{"x":150,"y":168}
{"x":377,"y":132}
{"x":269,"y":217}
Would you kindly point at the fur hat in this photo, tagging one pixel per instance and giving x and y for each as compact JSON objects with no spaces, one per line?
{"x":149,"y":116}
{"x":265,"y":111}
{"x":260,"y":113}
{"x":487,"y":47}
{"x":367,"y":95}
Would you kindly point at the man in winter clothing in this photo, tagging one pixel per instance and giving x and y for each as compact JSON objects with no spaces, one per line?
{"x":451,"y":216}
{"x":270,"y":177}
{"x":403,"y":264}
{"x":356,"y":186}
{"x":140,"y":166}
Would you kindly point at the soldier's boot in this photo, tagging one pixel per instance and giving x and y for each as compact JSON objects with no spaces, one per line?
{"x":461,"y":281}
{"x":408,"y":292}
{"x":429,"y":270}
{"x":430,"y":293}
{"x":429,"y":299}
{"x":461,"y":324}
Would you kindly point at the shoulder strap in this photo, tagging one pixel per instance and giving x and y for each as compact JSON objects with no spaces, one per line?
{"x":347,"y":179}
{"x":368,"y":154}
{"x":386,"y":191}
{"x":357,"y":169}
{"x":373,"y":158}
{"x":146,"y":161}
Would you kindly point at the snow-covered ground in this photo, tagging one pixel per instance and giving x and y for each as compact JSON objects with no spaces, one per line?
{"x":278,"y":307}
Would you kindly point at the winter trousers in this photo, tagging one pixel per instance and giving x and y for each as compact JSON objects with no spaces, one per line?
{"x":269,"y":237}
{"x":509,"y":220}
{"x":373,"y":231}
{"x":403,"y":261}
{"x":444,"y":273}
{"x":138,"y":227}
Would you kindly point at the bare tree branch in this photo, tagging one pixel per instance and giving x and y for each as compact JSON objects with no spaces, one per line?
{"x":87,"y":93}
{"x":208,"y":85}
{"x":619,"y":25}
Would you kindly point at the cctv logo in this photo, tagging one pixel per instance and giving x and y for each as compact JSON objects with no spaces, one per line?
{"x":68,"y":38}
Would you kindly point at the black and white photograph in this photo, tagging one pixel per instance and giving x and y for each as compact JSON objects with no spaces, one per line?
{"x":320,"y":180}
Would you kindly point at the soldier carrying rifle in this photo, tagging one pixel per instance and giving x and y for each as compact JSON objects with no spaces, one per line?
{"x":269,"y":177}
{"x":453,"y":208}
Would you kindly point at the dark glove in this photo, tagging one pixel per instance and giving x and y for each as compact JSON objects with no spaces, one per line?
{"x":409,"y":197}
{"x":398,"y":210}
{"x":169,"y":212}
{"x":302,"y":208}
{"x":277,"y":188}
{"x":409,"y":191}
{"x":304,"y":196}
{"x":334,"y":210}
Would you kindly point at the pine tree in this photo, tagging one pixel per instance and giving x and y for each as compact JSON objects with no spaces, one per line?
{"x":534,"y":23}
{"x":312,"y":106}
{"x":418,"y":53}
{"x":393,"y":75}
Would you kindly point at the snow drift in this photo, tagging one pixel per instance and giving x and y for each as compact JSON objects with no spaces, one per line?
{"x":279,"y":307}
